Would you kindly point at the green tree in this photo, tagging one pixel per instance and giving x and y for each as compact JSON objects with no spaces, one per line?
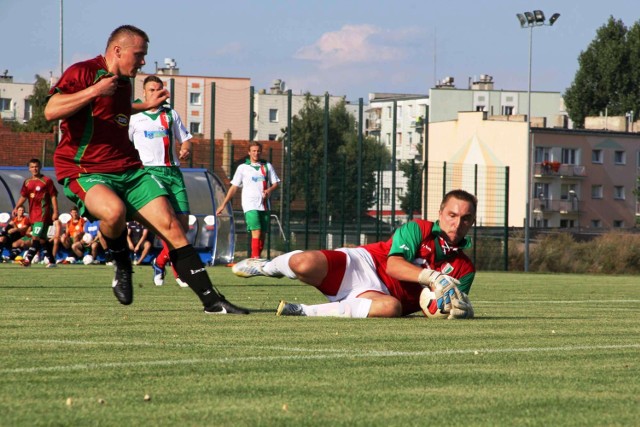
{"x":307,"y":152}
{"x":37,"y":100}
{"x":607,"y":77}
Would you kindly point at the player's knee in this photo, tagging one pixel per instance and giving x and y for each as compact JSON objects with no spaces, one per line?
{"x":385,"y":307}
{"x":303,"y":263}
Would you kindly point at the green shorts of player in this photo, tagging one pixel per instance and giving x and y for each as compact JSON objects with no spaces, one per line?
{"x":173,"y":181}
{"x":39,"y":230}
{"x":257,"y":220}
{"x":135,"y":187}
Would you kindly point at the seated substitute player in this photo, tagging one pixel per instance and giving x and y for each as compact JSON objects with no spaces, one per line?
{"x":15,"y":230}
{"x":385,"y":279}
{"x":156,"y":133}
{"x":71,"y":238}
{"x":102,"y":172}
{"x":89,"y":241}
{"x":139,"y":240}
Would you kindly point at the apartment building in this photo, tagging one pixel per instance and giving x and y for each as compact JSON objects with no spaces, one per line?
{"x":192,"y":99}
{"x":14,"y":105}
{"x":271,"y":110}
{"x":581,"y":179}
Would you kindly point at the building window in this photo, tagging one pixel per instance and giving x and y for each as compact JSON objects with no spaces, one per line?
{"x":542,"y":191}
{"x":194,"y":127}
{"x":388,"y":139}
{"x":386,"y":196}
{"x":479,"y":107}
{"x":596,"y":223}
{"x":620,"y":158}
{"x":399,"y":114}
{"x":399,"y":139}
{"x":566,"y":189}
{"x":5,"y":104}
{"x":272,"y":137}
{"x":596,"y":156}
{"x":567,"y":223}
{"x":596,"y":191}
{"x":194,"y":98}
{"x":507,"y":110}
{"x":618,"y":192}
{"x":542,"y":154}
{"x":569,"y":156}
{"x":618,"y":223}
{"x":389,"y":113}
{"x":399,"y":192}
{"x":273,"y":115}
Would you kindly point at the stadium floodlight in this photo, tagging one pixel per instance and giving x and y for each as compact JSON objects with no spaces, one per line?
{"x":539,"y":16}
{"x":530,"y":20}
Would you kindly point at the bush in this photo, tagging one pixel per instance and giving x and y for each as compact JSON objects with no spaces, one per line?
{"x":612,"y":253}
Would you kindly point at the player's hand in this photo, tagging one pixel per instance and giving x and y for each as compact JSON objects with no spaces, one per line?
{"x":157,"y":98}
{"x":461,"y":308}
{"x":184,"y":154}
{"x":106,"y":86}
{"x":443,"y":286}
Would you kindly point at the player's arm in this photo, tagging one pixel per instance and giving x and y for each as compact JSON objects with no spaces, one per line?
{"x":185,"y":150}
{"x":401,"y":269}
{"x":62,"y":105}
{"x":54,"y":207}
{"x":156,"y":99}
{"x":403,"y":249}
{"x":230,"y":194}
{"x":268,"y":191}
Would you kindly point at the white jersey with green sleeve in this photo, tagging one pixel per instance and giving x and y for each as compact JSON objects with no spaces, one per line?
{"x":155,"y":135}
{"x":254,"y":179}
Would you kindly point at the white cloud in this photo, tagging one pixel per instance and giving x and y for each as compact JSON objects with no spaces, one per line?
{"x":358,"y":44}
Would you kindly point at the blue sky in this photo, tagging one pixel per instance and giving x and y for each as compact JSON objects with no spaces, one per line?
{"x":344,"y":47}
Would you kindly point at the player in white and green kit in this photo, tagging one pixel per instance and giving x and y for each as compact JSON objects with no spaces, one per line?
{"x":258,"y":181}
{"x":162,"y":141}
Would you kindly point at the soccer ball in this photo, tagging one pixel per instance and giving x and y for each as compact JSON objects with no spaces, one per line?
{"x":429,"y":305}
{"x":87,"y":238}
{"x":88,"y":259}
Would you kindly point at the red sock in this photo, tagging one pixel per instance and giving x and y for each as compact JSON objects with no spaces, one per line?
{"x":163,"y":256}
{"x":255,"y":248}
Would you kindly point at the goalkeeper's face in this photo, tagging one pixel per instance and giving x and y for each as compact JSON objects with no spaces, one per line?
{"x":456,"y":218}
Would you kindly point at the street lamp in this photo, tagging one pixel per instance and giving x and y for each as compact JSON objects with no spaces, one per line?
{"x":530,"y":20}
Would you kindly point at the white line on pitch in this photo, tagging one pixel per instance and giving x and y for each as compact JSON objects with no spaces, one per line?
{"x":93,"y":366}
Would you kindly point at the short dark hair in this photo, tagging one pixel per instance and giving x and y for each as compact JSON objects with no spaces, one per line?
{"x":34,"y":160}
{"x":255,"y":144}
{"x":153,"y":79}
{"x":460,"y":195}
{"x":129,"y":30}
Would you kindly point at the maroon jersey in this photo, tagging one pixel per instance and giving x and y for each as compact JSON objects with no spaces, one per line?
{"x":95,"y":139}
{"x":420,"y":243}
{"x":38,"y":191}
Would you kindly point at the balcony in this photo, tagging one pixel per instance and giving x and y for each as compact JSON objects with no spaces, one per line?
{"x":563,"y":207}
{"x":557,"y":169}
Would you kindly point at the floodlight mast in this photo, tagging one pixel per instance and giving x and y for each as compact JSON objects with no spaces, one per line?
{"x":530,"y":20}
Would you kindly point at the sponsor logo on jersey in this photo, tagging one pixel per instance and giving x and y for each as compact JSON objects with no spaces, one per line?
{"x":447,"y":268}
{"x":153,"y":134}
{"x":122,"y":120}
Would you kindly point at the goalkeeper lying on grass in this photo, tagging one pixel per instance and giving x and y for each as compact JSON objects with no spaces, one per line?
{"x":422,"y":267}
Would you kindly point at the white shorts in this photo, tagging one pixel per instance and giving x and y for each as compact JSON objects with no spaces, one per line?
{"x":351,"y":277}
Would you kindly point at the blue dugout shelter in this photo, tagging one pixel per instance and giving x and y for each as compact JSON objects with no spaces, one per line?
{"x":212,"y":236}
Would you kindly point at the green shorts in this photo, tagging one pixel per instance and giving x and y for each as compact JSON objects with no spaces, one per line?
{"x":135,"y":187}
{"x":39,"y":230}
{"x":257,"y":220}
{"x":171,"y":178}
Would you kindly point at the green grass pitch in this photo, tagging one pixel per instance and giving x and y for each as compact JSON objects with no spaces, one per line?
{"x":544,"y":350}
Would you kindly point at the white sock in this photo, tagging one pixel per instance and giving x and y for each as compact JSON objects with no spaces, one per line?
{"x":355,"y":308}
{"x":280,"y":265}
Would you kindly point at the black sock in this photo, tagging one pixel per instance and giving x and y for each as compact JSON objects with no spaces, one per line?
{"x":33,"y":250}
{"x":191,"y":270}
{"x":119,"y":248}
